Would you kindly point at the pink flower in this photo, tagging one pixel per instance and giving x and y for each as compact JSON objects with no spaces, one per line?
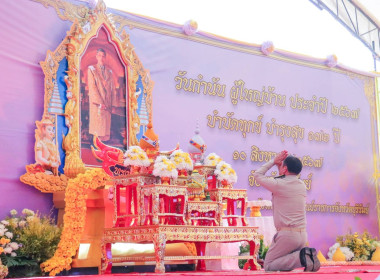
{"x":8,"y":250}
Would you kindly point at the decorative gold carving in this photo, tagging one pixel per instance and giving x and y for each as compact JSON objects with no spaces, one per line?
{"x":86,"y":24}
{"x":71,"y":143}
{"x":154,"y":191}
{"x":169,"y":190}
{"x":235,"y":194}
{"x":205,"y":170}
{"x":50,"y":67}
{"x":202,"y":206}
{"x":141,"y":179}
{"x":66,"y":10}
{"x":369,"y":90}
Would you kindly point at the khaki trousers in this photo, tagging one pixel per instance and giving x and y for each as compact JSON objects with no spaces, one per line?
{"x":284,"y":252}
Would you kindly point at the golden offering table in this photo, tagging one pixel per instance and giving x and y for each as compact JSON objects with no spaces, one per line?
{"x":161,"y":234}
{"x":203,"y":213}
{"x":233,"y":197}
{"x":163,"y":204}
{"x":127,"y":198}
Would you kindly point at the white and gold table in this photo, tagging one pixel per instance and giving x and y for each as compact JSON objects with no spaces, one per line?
{"x":161,"y":234}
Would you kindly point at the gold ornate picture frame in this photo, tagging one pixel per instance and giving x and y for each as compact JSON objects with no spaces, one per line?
{"x":103,"y":100}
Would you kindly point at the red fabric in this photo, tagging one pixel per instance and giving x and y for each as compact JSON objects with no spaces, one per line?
{"x":325,"y":273}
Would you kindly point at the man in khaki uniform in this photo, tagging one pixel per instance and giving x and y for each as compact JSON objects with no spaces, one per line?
{"x":287,"y":250}
{"x":101,"y":91}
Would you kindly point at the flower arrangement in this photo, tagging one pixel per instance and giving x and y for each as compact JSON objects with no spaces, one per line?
{"x":212,"y":159}
{"x":136,"y":156}
{"x":361,"y":245}
{"x":4,"y":248}
{"x":182,"y":161}
{"x":33,"y":239}
{"x":5,"y":245}
{"x":164,"y":167}
{"x":224,"y":172}
{"x":267,"y":47}
{"x":74,"y":219}
{"x":349,"y":255}
{"x":190,"y":27}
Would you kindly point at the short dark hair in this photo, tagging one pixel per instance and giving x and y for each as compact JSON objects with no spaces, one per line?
{"x":293,"y":164}
{"x":101,"y":50}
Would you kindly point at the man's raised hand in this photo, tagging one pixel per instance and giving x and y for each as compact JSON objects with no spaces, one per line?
{"x":280,"y":157}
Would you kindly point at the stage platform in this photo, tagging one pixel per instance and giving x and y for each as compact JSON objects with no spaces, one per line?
{"x":325,"y":273}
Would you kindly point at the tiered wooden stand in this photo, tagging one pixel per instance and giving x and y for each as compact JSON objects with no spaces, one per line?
{"x":146,"y":212}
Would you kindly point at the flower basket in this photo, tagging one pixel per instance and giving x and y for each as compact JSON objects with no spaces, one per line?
{"x":212,"y":160}
{"x":165,"y":168}
{"x":225,"y":174}
{"x":136,"y":158}
{"x":182,"y":161}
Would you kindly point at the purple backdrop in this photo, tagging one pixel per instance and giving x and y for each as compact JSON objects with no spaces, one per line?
{"x":345,"y":175}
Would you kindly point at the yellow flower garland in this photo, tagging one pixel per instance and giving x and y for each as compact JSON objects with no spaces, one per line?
{"x":74,"y":219}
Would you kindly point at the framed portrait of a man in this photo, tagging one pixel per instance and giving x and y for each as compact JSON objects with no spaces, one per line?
{"x":103,"y":91}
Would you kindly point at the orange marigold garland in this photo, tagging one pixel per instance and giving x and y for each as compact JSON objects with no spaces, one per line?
{"x":46,"y":183}
{"x":74,"y":219}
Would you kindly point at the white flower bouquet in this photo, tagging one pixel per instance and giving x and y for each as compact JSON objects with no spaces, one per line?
{"x":225,"y":173}
{"x":136,"y":156}
{"x":164,"y":167}
{"x":182,"y":160}
{"x":6,"y":244}
{"x":345,"y":250}
{"x":212,"y":160}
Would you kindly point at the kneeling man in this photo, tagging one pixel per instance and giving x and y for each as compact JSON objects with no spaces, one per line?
{"x":287,"y":250}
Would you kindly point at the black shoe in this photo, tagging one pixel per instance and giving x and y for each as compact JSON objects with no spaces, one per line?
{"x":309,"y":260}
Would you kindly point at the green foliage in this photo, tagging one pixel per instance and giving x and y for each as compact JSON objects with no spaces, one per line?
{"x":245,"y":249}
{"x":16,"y":261}
{"x":40,"y":239}
{"x":20,"y":266}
